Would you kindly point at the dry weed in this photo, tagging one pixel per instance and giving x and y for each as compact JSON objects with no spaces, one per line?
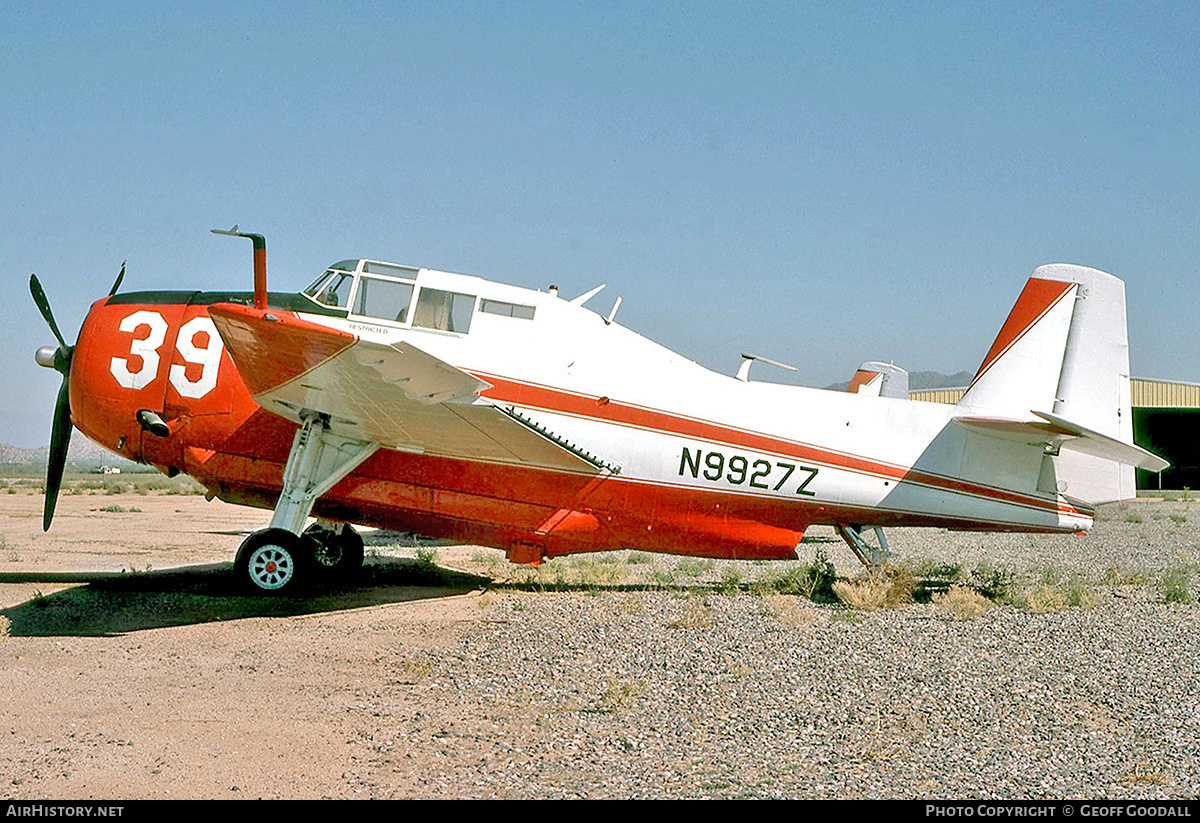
{"x":788,"y":611}
{"x":738,"y":668}
{"x":868,"y":593}
{"x":1145,"y":774}
{"x":962,"y":603}
{"x":620,"y":695}
{"x":697,"y":614}
{"x":411,"y":671}
{"x":1043,"y":599}
{"x":889,"y":589}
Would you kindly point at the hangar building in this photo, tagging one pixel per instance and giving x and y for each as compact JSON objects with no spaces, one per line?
{"x":1166,"y":420}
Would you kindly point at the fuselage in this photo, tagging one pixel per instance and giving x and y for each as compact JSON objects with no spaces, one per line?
{"x":694,"y":462}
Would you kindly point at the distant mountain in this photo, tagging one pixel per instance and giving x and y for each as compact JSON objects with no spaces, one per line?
{"x":81,"y":451}
{"x":918,"y":380}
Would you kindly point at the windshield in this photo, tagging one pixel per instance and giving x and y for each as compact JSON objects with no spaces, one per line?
{"x":331,"y":289}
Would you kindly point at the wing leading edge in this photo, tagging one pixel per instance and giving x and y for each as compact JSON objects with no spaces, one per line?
{"x":396,"y":395}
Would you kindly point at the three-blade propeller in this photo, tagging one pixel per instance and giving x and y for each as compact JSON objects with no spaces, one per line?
{"x":60,"y":360}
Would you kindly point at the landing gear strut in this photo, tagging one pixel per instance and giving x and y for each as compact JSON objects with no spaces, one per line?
{"x":870,"y":556}
{"x":280,"y":559}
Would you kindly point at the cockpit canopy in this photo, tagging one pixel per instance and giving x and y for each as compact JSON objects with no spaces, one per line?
{"x":334,"y":285}
{"x":385,"y":291}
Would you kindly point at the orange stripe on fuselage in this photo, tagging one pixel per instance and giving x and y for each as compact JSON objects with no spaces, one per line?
{"x":610,"y":411}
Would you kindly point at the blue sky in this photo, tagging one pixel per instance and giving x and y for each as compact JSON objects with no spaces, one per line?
{"x":818,"y":183}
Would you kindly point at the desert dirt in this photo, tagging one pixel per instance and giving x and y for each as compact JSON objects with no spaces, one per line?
{"x":132,"y":665}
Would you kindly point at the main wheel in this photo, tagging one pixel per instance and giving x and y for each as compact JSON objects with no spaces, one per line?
{"x":274,"y":561}
{"x":339,"y":550}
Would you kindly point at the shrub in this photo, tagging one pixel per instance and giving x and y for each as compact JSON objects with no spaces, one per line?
{"x":694,"y":566}
{"x":1175,"y":585}
{"x":867,"y":593}
{"x":1043,"y":599}
{"x":993,"y":582}
{"x":936,"y":570}
{"x":1079,"y":593}
{"x":731,"y":581}
{"x":812,"y":580}
{"x":962,"y":602}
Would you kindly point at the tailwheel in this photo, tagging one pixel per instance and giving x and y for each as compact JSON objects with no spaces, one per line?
{"x":338,"y":548}
{"x":274,"y":561}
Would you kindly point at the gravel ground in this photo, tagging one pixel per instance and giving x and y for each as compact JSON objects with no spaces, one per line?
{"x":697,"y":693}
{"x":656,"y":695}
{"x":616,"y":676}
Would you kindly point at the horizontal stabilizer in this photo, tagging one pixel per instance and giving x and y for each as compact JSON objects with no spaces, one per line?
{"x":1096,"y":444}
{"x":1057,"y":431}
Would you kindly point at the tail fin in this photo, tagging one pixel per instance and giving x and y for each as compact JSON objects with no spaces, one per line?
{"x":880,"y":380}
{"x":1063,"y":356}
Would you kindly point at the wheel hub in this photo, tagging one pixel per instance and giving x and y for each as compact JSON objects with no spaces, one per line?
{"x":271,"y":567}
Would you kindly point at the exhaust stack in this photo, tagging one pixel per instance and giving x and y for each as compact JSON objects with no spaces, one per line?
{"x":260,"y":263}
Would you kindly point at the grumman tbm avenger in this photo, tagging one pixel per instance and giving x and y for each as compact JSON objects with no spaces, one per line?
{"x":455,"y":407}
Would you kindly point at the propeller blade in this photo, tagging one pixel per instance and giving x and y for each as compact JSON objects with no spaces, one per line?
{"x":39,"y":297}
{"x":60,"y":438}
{"x":120,"y":277}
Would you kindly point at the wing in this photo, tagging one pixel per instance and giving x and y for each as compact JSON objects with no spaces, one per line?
{"x":396,"y":395}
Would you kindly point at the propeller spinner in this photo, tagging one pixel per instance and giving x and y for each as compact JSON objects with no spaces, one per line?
{"x":58,"y":359}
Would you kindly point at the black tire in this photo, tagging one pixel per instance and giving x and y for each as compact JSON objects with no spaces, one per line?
{"x":339,"y":553}
{"x":274,"y":561}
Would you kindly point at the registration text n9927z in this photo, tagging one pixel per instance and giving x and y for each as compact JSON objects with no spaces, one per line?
{"x":740,"y":470}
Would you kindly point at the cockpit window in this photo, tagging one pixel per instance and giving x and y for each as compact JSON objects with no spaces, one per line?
{"x":445,"y":310}
{"x":403,"y":272}
{"x":506,"y":309}
{"x":334,"y":290}
{"x":385,"y":299}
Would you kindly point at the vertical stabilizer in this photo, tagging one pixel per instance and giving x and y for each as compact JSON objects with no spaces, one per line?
{"x":1064,"y":350}
{"x":880,"y":380}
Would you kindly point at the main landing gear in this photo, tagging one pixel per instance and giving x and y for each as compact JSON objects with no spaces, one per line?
{"x":281,"y":559}
{"x":870,"y":556}
{"x":274,"y":560}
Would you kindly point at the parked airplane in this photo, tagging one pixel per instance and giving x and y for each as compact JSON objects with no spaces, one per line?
{"x":456,"y":407}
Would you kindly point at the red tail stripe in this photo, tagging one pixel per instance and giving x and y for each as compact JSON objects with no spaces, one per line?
{"x":1037,"y":298}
